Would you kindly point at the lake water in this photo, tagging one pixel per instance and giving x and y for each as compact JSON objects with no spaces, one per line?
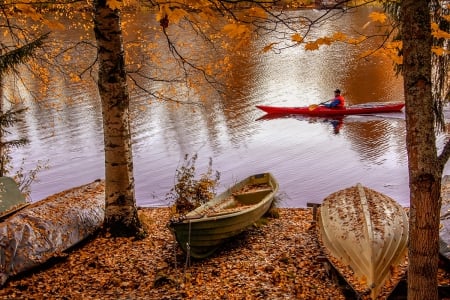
{"x":309,"y":159}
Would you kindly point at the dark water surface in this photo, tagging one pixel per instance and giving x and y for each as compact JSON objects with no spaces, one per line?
{"x":309,"y":159}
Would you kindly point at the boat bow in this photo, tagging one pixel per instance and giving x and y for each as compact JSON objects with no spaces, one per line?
{"x":365,"y":231}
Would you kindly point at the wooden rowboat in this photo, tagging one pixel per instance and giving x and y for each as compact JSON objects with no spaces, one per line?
{"x":444,"y":228}
{"x":364,"y":234}
{"x":201,"y":232}
{"x":45,"y":229}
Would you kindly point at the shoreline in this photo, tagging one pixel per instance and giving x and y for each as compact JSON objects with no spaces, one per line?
{"x":275,"y":261}
{"x":281,"y":258}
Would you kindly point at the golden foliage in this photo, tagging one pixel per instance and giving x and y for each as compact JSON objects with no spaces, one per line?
{"x":234,"y":30}
{"x":297,"y":38}
{"x":230,"y":32}
{"x":438,"y":33}
{"x":379,"y":17}
{"x":239,"y":32}
{"x":312,"y":46}
{"x":28,"y":11}
{"x":114,"y":4}
{"x":201,"y":17}
{"x":269,"y":47}
{"x":257,"y":12}
{"x":339,"y":36}
{"x":174,"y":15}
{"x":390,"y":50}
{"x":439,"y":51}
{"x":315,"y":45}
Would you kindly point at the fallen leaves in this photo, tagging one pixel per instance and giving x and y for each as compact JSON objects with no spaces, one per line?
{"x":279,"y":260}
{"x":275,"y":261}
{"x":373,"y":237}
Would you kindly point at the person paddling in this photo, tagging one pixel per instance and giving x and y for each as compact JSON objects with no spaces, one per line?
{"x":337,"y":102}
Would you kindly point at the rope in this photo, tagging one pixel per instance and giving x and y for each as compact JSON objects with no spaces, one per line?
{"x":188,"y":251}
{"x":175,"y":254}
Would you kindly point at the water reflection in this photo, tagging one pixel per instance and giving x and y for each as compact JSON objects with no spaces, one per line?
{"x":372,"y":137}
{"x":306,"y":156}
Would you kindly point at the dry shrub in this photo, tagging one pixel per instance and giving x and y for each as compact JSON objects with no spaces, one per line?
{"x":188,"y":192}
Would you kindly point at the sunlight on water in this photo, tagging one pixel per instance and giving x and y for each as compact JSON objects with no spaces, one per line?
{"x":309,"y":158}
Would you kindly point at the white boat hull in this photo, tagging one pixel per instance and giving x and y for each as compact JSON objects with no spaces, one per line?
{"x":366,"y":232}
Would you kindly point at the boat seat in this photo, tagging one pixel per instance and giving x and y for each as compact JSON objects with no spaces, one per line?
{"x":231,"y":202}
{"x":252,"y":197}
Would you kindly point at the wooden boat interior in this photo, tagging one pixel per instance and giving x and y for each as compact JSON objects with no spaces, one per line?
{"x":201,"y":231}
{"x":238,"y":201}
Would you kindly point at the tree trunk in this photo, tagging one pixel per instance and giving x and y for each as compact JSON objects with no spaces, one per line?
{"x":425,"y":172}
{"x":121,"y":212}
{"x":2,"y":148}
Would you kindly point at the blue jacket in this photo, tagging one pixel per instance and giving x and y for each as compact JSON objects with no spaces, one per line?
{"x":337,"y":102}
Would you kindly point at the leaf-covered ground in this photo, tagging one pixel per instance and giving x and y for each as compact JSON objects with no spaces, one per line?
{"x":280,"y":259}
{"x":271,"y":261}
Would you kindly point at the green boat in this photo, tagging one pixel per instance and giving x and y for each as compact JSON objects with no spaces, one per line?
{"x":202,"y":231}
{"x":11,"y":198}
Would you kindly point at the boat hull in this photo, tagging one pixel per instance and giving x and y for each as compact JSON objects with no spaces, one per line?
{"x":367,"y":232}
{"x":201,"y":232}
{"x":45,"y":229}
{"x":361,"y":109}
{"x":444,"y":228}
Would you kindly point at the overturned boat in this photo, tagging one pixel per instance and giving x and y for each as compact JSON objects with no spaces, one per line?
{"x":444,"y":228}
{"x":364,"y":234}
{"x":47,"y":228}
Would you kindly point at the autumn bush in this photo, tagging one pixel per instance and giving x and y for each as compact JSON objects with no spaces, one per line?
{"x":190,"y":192}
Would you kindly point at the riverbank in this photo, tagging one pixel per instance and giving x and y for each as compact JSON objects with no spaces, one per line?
{"x":280,"y":259}
{"x":272,"y":261}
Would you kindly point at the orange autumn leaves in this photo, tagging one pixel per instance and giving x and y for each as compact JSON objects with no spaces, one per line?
{"x":389,"y":48}
{"x":239,"y":25}
{"x":207,"y":14}
{"x":272,"y":261}
{"x":29,"y":11}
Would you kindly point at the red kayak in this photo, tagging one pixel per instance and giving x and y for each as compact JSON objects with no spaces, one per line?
{"x":318,"y":110}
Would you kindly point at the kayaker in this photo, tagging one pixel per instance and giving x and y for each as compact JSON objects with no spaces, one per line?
{"x":337,"y":102}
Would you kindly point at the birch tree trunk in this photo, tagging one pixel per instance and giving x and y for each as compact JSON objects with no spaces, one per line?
{"x":121,"y":212}
{"x":425,"y":171}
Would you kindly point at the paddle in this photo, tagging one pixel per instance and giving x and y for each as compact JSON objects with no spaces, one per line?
{"x":314,"y":106}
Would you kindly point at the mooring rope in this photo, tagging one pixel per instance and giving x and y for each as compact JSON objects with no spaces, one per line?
{"x":188,"y":251}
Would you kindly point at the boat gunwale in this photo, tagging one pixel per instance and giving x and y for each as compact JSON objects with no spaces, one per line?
{"x":204,"y":218}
